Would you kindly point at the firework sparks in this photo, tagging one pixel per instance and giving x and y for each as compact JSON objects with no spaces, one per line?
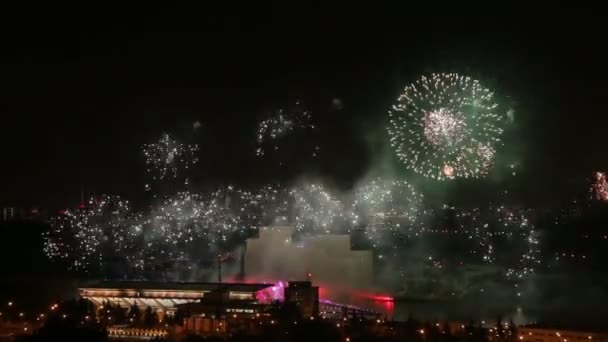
{"x":446,"y":126}
{"x":384,"y":204}
{"x":507,"y":227}
{"x":267,"y":205}
{"x":275,"y":128}
{"x":316,"y":209}
{"x":443,"y":127}
{"x":195,"y":227}
{"x":517,"y":225}
{"x":600,"y":186}
{"x":192,"y":219}
{"x":89,"y":236}
{"x":165,"y":158}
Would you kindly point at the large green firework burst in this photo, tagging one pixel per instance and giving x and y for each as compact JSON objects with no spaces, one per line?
{"x":446,"y":126}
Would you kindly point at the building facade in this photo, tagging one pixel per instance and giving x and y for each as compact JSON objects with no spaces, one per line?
{"x":276,"y":256}
{"x":164,"y":297}
{"x":304,"y":296}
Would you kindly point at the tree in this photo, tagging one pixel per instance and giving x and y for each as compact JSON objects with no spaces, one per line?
{"x":315,"y":330}
{"x":178,"y":317}
{"x":512,"y":329}
{"x":288,"y":312}
{"x":193,"y":338}
{"x":150,"y":317}
{"x":104,"y":310}
{"x":500,"y":329}
{"x":134,"y":313}
{"x":446,"y":332}
{"x":119,"y":315}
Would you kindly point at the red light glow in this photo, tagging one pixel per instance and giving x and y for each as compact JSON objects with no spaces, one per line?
{"x":382,"y":298}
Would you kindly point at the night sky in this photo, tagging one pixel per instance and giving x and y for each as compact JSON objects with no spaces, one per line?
{"x":81,"y":93}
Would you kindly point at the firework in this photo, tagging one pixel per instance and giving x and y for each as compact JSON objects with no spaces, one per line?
{"x":386,"y":204}
{"x":446,"y":126}
{"x":166,"y":158}
{"x":272,"y":131}
{"x":190,"y":219}
{"x":518,"y":227}
{"x":177,"y":219}
{"x":316,"y":209}
{"x":502,"y":236}
{"x":182,"y":227}
{"x":89,"y":236}
{"x":194,"y":227}
{"x":600,"y":186}
{"x":264,"y":206}
{"x":530,"y":258}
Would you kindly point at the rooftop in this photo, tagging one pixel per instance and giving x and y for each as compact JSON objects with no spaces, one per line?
{"x":180,"y":286}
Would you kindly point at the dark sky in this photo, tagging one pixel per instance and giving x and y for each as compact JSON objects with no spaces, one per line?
{"x":82,"y":89}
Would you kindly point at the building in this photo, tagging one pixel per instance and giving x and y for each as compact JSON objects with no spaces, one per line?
{"x":276,"y":256}
{"x":164,"y":297}
{"x":218,"y":313}
{"x":304,"y":296}
{"x":536,"y":334}
{"x":9,"y":213}
{"x":220,"y":304}
{"x":214,"y":308}
{"x":23,"y":214}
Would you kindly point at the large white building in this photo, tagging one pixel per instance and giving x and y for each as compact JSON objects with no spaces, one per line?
{"x":329,"y":259}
